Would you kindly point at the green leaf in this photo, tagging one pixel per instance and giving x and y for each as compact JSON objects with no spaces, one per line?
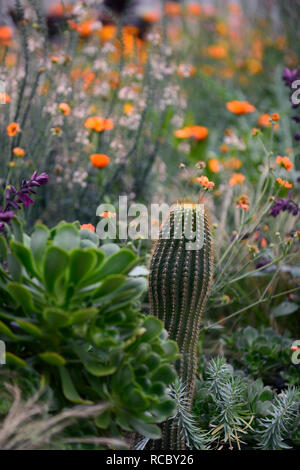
{"x":69,"y":389}
{"x":123,"y":418}
{"x":38,"y":243}
{"x":24,"y":255}
{"x":53,"y":358}
{"x":153,"y":329}
{"x":171,"y":350}
{"x":93,"y":366}
{"x":13,"y":360}
{"x":6,"y":331}
{"x":165,"y":409}
{"x":86,"y":244}
{"x":67,"y":237}
{"x":81,"y":316}
{"x":152,"y":361}
{"x":92,"y":277}
{"x":14,"y":267}
{"x":134,"y":398}
{"x":146,"y":429}
{"x":139,"y":271}
{"x":3,"y":248}
{"x":103,"y":421}
{"x":158,"y":388}
{"x":110,"y":284}
{"x":110,"y":248}
{"x":30,"y":328}
{"x":130,"y":290}
{"x":165,"y":374}
{"x":22,"y":296}
{"x":99,"y":370}
{"x":266,"y":395}
{"x":89,"y":235}
{"x":250,"y":334}
{"x":56,"y":317}
{"x":118,"y":263}
{"x":285,"y":308}
{"x":55,"y":265}
{"x":81,"y":263}
{"x":17,"y":227}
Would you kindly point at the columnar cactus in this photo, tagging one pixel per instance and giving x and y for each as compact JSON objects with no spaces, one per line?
{"x":180,"y":278}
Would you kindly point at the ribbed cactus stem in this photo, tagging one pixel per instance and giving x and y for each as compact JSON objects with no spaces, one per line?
{"x":180,"y":278}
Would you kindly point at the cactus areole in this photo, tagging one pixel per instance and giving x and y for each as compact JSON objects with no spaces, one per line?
{"x":179,"y":283}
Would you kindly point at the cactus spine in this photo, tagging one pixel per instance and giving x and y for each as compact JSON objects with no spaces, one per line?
{"x":179,"y":284}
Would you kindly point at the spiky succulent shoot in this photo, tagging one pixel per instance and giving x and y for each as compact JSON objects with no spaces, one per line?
{"x":180,"y":278}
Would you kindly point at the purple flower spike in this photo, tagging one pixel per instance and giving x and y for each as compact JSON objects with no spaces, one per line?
{"x":5,"y":218}
{"x":14,"y":198}
{"x":42,"y":179}
{"x":25,"y":199}
{"x":263,"y":262}
{"x":289,"y":76}
{"x":284,"y":205}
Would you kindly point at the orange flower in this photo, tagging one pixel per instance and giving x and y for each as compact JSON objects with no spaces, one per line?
{"x":214,"y":165}
{"x":205,"y":182}
{"x":13,"y":129}
{"x":275,"y":117}
{"x":128,"y":108}
{"x":198,"y":132}
{"x":243,"y":202}
{"x":193,"y":9}
{"x":237,"y":178}
{"x":19,"y":152}
{"x":263,"y":242}
{"x":240,"y":107}
{"x":183,"y":133}
{"x":254,"y":66}
{"x":88,"y":78}
{"x":255,"y":132}
{"x":224,"y":148}
{"x":172,"y":9}
{"x":151,"y":16}
{"x":6,"y":34}
{"x":107,"y":32}
{"x":221,"y":28}
{"x":89,"y":227}
{"x":58,"y":9}
{"x":107,"y":214}
{"x":232,"y":163}
{"x":284,"y":183}
{"x":85,"y":28}
{"x":4,"y":98}
{"x":264,"y":120}
{"x":227,"y":72}
{"x":98,"y":124}
{"x":99,"y":160}
{"x":64,"y":108}
{"x":284,"y":162}
{"x":217,"y":51}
